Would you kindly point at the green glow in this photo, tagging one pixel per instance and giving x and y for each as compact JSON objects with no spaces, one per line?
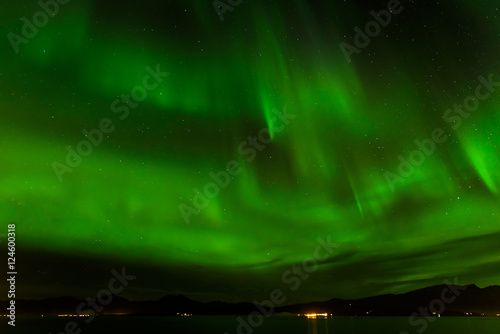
{"x":322,"y":174}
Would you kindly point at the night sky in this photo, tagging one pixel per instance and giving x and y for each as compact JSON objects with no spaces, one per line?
{"x":327,"y":170}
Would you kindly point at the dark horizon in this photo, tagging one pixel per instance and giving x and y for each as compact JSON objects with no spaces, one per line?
{"x":97,"y":273}
{"x":441,"y":300}
{"x":178,"y":294}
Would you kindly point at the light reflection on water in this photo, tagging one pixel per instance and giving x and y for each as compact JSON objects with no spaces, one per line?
{"x":312,"y":326}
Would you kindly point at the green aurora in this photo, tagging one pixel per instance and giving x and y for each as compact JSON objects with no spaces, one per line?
{"x":322,"y":175}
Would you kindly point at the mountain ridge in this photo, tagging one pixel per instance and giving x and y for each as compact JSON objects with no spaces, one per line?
{"x":446,"y":300}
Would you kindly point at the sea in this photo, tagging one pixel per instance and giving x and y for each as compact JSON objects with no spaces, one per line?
{"x":241,"y":325}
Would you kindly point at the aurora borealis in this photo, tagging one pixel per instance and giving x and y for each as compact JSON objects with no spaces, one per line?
{"x":322,"y":174}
